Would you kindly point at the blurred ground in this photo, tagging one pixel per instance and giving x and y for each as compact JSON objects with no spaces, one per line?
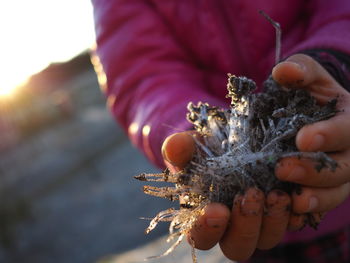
{"x":67,"y":193}
{"x":182,"y":254}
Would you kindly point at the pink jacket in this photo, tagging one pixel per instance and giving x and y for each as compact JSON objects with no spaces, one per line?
{"x":159,"y":55}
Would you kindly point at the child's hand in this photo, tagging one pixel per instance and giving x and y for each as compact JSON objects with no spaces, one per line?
{"x":323,"y":190}
{"x":246,"y":227}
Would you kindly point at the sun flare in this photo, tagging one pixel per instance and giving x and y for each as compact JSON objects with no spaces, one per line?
{"x":11,"y":82}
{"x":7,"y":91}
{"x":38,"y":33}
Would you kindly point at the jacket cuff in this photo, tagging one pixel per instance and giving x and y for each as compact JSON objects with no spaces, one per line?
{"x":336,"y":63}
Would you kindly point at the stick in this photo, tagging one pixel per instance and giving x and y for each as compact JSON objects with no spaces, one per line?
{"x":278,"y":35}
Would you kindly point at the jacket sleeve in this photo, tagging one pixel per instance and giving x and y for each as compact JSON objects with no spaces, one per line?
{"x":150,"y":77}
{"x":328,"y":26}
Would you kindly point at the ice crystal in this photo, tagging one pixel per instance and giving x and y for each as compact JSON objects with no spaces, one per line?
{"x":238,"y":148}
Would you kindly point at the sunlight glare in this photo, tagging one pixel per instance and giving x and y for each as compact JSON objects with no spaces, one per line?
{"x":38,"y":33}
{"x":7,"y":91}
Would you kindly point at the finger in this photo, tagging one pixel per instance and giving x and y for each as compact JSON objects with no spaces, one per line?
{"x":296,"y":222}
{"x":303,"y":171}
{"x":178,"y":148}
{"x":210,"y":227}
{"x":320,"y":199}
{"x":303,"y":71}
{"x":299,"y":69}
{"x":275,"y":221}
{"x":326,"y":136}
{"x":240,"y":239}
{"x":288,"y":73}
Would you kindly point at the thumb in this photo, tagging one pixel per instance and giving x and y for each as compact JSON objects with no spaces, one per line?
{"x":178,"y":148}
{"x":302,"y":71}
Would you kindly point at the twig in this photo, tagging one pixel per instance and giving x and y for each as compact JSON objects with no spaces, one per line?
{"x":278,"y":35}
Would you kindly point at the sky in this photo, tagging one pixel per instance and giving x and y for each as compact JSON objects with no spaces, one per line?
{"x":35,"y":33}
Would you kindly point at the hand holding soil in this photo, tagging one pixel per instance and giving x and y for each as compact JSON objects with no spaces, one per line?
{"x":326,"y":189}
{"x":247,"y":227}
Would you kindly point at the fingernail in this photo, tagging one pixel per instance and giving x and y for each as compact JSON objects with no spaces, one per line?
{"x":300,"y":66}
{"x":316,"y":143}
{"x":216,"y":222}
{"x":165,"y":157}
{"x":250,"y":207}
{"x":251,"y":203}
{"x":272,"y":197}
{"x":297,"y":173}
{"x":313,"y":203}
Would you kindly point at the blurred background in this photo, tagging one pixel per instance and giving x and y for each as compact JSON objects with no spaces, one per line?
{"x":67,"y":192}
